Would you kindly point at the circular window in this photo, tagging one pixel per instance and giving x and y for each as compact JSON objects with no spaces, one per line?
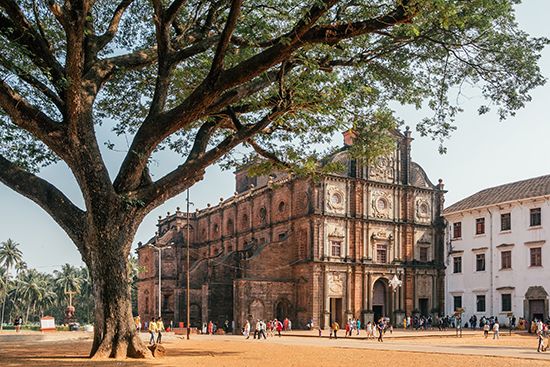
{"x":381,"y":204}
{"x":336,"y":198}
{"x":282,"y":206}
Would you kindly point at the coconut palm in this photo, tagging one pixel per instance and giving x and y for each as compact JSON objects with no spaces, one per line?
{"x":10,"y":255}
{"x":68,"y":279}
{"x":34,"y":287}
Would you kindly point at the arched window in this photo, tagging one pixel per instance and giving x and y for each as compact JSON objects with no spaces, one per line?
{"x":229,"y":226}
{"x":282,"y":207}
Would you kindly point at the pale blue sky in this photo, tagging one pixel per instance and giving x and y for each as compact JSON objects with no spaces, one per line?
{"x":483,"y":152}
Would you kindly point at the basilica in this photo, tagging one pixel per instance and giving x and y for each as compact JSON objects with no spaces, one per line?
{"x":362,"y":243}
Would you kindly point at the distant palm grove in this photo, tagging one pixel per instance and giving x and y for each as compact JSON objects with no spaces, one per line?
{"x":30,"y":294}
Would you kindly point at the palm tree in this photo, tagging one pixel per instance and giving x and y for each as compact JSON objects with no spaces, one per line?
{"x":10,"y":255}
{"x":68,"y":279}
{"x":34,"y":288}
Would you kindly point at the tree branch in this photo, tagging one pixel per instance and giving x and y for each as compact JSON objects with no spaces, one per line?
{"x":153,"y":131}
{"x":48,"y":197}
{"x":18,"y":30}
{"x":192,"y":170}
{"x":172,"y":11}
{"x":34,"y":82}
{"x":231,"y":23}
{"x":28,"y":117}
{"x":112,"y":30}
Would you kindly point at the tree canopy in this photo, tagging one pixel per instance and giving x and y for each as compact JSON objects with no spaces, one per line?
{"x":202,"y":77}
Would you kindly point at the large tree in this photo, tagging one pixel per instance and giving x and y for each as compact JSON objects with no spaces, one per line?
{"x":202,"y":77}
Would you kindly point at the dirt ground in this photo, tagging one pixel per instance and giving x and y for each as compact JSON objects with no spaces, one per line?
{"x":287,"y":351}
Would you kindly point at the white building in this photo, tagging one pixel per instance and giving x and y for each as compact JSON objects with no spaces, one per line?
{"x":498,"y":252}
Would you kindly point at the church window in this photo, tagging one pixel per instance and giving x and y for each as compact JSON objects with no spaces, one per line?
{"x":480,"y":262}
{"x":336,"y":248}
{"x":480,"y":303}
{"x":534,"y":217}
{"x":505,"y":222}
{"x":423,"y":254}
{"x":457,"y":302}
{"x":506,"y":302}
{"x":457,"y":230}
{"x":245,"y":221}
{"x":457,"y":264}
{"x":480,"y":225}
{"x":263,"y":214}
{"x":381,"y":254}
{"x":229,"y":226}
{"x":506,"y":260}
{"x":536,"y":256}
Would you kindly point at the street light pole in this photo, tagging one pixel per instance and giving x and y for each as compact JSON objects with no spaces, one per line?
{"x":187,"y":268}
{"x":160,"y":279}
{"x":159,"y":249}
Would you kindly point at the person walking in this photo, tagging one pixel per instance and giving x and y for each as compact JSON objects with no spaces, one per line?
{"x":263,"y":328}
{"x":540,"y":336}
{"x":246,"y":329}
{"x":257,"y":328}
{"x":210,"y":327}
{"x":496,"y":328}
{"x":17,"y":323}
{"x":358,"y":326}
{"x":334,"y":328}
{"x":380,"y":327}
{"x":370,"y":332}
{"x":278,"y":326}
{"x":160,"y":330}
{"x":152,"y":330}
{"x":486,"y":330}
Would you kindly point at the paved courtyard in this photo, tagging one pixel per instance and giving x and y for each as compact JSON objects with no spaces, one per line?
{"x":299,"y":349}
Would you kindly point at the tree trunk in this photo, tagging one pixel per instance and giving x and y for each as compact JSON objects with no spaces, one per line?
{"x":115,"y":335}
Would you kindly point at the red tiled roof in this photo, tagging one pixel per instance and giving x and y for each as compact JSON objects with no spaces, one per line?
{"x":530,"y":188}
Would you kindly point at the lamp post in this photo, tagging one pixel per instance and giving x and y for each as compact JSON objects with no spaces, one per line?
{"x":159,"y":249}
{"x":187,"y":240}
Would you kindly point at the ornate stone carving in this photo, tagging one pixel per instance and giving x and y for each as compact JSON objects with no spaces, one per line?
{"x":423,"y":210}
{"x":381,"y":204}
{"x":335,"y":285}
{"x":335,"y":198}
{"x":382,"y":169}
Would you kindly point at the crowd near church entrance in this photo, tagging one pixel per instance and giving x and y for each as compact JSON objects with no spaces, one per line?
{"x":379,"y":307}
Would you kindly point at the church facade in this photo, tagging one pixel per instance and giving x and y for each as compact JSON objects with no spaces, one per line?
{"x":364,"y":243}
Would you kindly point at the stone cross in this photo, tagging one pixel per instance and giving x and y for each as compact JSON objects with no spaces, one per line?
{"x":70,"y":293}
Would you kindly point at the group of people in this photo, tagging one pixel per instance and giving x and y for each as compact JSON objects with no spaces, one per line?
{"x":354,"y":326}
{"x":265,"y":329}
{"x":156,"y":326}
{"x":212,"y":328}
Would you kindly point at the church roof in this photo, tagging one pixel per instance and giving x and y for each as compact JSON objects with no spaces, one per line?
{"x":530,"y":188}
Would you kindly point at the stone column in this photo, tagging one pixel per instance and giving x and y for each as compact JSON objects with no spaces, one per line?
{"x":369,"y":315}
{"x":349,"y":302}
{"x":326,"y":300}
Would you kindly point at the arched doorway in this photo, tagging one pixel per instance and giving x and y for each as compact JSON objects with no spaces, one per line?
{"x":283,"y":309}
{"x":379,"y":306}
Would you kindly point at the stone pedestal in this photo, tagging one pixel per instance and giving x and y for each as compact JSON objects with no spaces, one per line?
{"x":399,"y":317}
{"x":326,"y":320}
{"x":368,"y":315}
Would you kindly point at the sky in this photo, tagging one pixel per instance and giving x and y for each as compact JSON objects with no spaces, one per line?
{"x":483,"y":152}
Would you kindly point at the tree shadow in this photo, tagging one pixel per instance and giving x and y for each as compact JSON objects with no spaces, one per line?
{"x":181,"y":352}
